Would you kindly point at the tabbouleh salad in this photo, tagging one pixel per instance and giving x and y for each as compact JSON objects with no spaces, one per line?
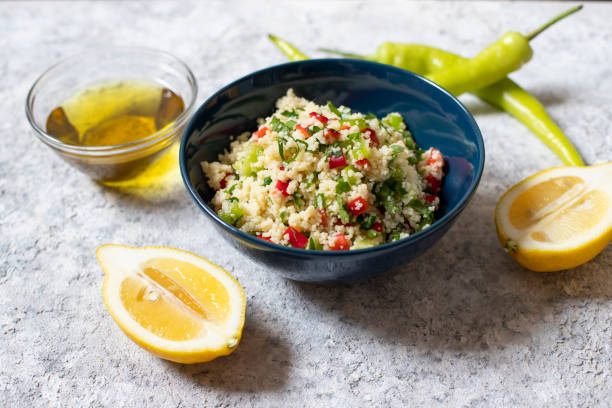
{"x":326,"y":178}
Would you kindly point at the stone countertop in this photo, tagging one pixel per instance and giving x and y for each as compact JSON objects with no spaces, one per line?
{"x":463,"y":325}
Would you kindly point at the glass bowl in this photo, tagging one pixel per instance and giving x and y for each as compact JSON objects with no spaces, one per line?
{"x":92,"y":68}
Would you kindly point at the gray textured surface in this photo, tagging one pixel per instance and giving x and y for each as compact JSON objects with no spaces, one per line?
{"x":462,"y":326}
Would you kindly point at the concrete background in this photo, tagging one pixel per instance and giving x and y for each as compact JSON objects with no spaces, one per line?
{"x":463,"y":325}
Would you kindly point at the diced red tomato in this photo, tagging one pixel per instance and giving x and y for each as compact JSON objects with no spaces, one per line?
{"x":282,"y":187}
{"x":223,"y":182}
{"x":319,"y":117}
{"x":261,"y":132}
{"x":335,"y":162}
{"x":264,"y":238}
{"x":282,"y":168}
{"x":434,"y":183}
{"x":372,"y":136}
{"x":296,"y":239}
{"x":340,"y":243}
{"x":430,"y":198}
{"x":345,"y":127}
{"x":331,"y":134}
{"x":363,"y":163}
{"x":339,"y":222}
{"x":377,"y":226}
{"x":323,"y":214}
{"x":434,"y":157}
{"x":357,"y":206}
{"x":302,"y":130}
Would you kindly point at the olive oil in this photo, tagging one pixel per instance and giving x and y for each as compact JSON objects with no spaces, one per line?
{"x":113,"y":114}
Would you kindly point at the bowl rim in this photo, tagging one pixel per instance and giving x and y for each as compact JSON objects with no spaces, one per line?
{"x":417,"y":236}
{"x":161,"y":135}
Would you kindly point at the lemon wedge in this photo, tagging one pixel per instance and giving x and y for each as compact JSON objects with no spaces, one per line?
{"x":557,"y":219}
{"x":175,"y":304}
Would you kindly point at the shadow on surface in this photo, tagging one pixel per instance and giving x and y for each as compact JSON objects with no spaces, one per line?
{"x":465,"y":294}
{"x":159,"y":184}
{"x":260,"y":363}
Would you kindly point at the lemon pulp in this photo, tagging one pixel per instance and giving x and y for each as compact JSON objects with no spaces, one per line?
{"x":174,"y":299}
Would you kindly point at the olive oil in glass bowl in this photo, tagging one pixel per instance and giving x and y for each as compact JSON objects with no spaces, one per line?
{"x":112,"y":113}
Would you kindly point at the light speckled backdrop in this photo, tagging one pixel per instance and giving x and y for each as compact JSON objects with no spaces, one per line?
{"x":462,"y":326}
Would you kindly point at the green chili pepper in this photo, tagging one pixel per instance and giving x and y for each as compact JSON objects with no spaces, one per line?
{"x":493,"y":63}
{"x":504,"y":94}
{"x":289,"y":50}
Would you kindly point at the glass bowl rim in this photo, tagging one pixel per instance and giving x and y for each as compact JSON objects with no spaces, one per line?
{"x":112,"y":150}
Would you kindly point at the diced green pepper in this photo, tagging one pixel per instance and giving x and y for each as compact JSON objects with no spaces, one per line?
{"x":283,"y":217}
{"x":230,"y":211}
{"x":314,"y":245}
{"x":373,"y":234}
{"x":362,"y":243}
{"x":361,"y":148}
{"x":244,"y":166}
{"x":361,"y":123}
{"x":394,"y":120}
{"x":348,"y":175}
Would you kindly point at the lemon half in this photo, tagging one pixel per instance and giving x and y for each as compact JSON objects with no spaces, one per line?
{"x":557,"y":219}
{"x":175,"y":304}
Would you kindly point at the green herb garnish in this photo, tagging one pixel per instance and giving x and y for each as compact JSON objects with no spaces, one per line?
{"x":320,"y":201}
{"x":344,"y":217}
{"x":367,"y":224}
{"x":290,"y":114}
{"x":298,"y":202}
{"x":334,"y":110}
{"x":342,"y":186}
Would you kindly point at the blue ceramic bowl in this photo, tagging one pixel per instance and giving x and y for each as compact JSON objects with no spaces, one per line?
{"x":434,"y":117}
